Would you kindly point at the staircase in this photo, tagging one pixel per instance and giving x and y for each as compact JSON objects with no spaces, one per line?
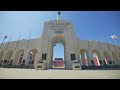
{"x":57,"y":69}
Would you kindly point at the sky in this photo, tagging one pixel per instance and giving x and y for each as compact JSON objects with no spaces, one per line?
{"x":88,"y":25}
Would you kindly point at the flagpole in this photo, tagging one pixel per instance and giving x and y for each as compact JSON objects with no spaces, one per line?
{"x":9,"y":41}
{"x":28,"y":40}
{"x":18,"y":40}
{"x":107,"y":44}
{"x":88,"y":44}
{"x":99,"y":45}
{"x":3,"y":41}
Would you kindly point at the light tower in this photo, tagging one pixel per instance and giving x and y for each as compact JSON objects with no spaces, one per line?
{"x":58,"y":16}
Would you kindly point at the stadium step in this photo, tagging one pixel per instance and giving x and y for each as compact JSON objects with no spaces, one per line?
{"x":57,"y":69}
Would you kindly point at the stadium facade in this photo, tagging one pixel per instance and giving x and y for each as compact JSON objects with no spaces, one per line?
{"x":38,"y":53}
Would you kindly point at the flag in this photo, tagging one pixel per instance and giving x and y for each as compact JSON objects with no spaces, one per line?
{"x":114,"y":37}
{"x":96,"y":60}
{"x":86,"y":59}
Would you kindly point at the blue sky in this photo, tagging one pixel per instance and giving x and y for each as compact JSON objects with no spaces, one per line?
{"x":88,"y":25}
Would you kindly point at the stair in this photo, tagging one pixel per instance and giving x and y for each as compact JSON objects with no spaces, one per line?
{"x":57,"y":69}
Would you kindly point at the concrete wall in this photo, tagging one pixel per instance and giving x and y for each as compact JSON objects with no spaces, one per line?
{"x":89,"y":46}
{"x":72,"y":45}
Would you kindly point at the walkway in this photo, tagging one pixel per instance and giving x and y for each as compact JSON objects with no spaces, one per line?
{"x":9,"y":73}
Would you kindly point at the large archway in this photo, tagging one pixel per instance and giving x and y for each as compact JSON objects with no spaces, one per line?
{"x":19,"y":57}
{"x":32,"y":56}
{"x":58,"y":58}
{"x":84,"y":57}
{"x":58,"y":40}
{"x":96,"y":56}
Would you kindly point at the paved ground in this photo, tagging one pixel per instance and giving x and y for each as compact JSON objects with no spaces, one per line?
{"x":8,"y":73}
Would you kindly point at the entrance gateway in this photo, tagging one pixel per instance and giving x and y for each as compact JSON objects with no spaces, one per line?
{"x":58,"y":31}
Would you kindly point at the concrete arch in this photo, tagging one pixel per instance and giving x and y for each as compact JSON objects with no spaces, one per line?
{"x":1,"y":54}
{"x":17,"y":56}
{"x":59,"y":39}
{"x":84,"y":57}
{"x":32,"y":55}
{"x":97,"y":57}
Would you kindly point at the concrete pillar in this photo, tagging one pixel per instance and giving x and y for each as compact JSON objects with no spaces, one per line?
{"x":37,"y":58}
{"x":68,"y":59}
{"x":13,"y":57}
{"x":112,"y":59}
{"x":102,"y":57}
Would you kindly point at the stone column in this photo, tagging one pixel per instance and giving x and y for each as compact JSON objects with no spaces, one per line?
{"x":111,"y":58}
{"x":102,"y":57}
{"x":67,"y":59}
{"x":37,"y":58}
{"x":13,"y":57}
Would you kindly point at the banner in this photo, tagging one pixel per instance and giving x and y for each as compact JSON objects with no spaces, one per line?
{"x":95,"y":59}
{"x":59,"y":63}
{"x":86,"y":59}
